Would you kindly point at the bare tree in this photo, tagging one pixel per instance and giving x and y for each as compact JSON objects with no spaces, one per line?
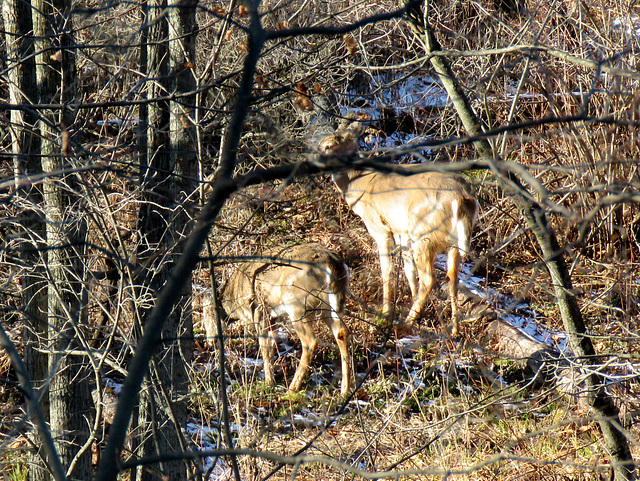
{"x":168,"y":174}
{"x":68,"y":389}
{"x":543,"y":91}
{"x":24,"y":143}
{"x":535,"y":216}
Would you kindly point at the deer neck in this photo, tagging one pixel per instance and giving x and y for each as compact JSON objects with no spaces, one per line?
{"x":344,"y":178}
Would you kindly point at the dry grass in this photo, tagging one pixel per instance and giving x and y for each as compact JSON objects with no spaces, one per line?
{"x":467,"y":424}
{"x":406,"y":410}
{"x":438,"y":406}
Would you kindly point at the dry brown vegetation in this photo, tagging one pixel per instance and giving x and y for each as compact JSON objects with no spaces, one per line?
{"x":433,"y":408}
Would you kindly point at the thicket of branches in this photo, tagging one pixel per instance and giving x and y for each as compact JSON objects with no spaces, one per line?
{"x":146,"y":147}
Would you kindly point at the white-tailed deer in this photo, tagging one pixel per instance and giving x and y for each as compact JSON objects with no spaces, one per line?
{"x":305,"y":283}
{"x":425,"y":213}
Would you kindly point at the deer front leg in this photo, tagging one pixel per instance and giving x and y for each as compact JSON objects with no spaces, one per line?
{"x":267,"y":343}
{"x":385,"y":245}
{"x":410,"y":270}
{"x":424,"y":258}
{"x":427,"y":282}
{"x":341,"y":334}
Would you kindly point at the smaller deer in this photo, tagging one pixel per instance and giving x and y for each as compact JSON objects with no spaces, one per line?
{"x":425,"y":213}
{"x":305,"y":283}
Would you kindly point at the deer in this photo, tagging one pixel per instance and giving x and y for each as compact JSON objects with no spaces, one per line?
{"x":426,"y":214}
{"x":305,"y":284}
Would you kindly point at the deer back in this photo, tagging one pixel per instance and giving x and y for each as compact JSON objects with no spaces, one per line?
{"x":307,"y":277}
{"x":430,"y":205}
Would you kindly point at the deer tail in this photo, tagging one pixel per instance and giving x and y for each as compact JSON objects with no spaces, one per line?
{"x":337,"y":281}
{"x":464,"y":216}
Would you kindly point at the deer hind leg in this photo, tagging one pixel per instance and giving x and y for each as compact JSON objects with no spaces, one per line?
{"x":341,"y":333}
{"x":424,"y":257}
{"x":453,"y":269}
{"x":304,"y":329}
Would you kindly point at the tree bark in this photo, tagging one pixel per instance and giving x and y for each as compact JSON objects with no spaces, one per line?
{"x":168,"y":172}
{"x":21,"y":76}
{"x":21,"y":82}
{"x":22,"y":90}
{"x":224,"y":186}
{"x":69,"y":395}
{"x":608,"y":418}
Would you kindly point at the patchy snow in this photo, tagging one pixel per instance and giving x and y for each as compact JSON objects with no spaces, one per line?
{"x":249,"y":362}
{"x":519,"y":315}
{"x":415,"y":92}
{"x":409,"y":343}
{"x":213,"y":468}
{"x":629,"y":25}
{"x":116,"y":387}
{"x":308,"y":418}
{"x":118,"y":122}
{"x":406,"y":94}
{"x":386,"y":95}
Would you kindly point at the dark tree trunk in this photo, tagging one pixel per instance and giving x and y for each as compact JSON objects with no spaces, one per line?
{"x":69,"y":396}
{"x":168,"y":171}
{"x":182,"y":53}
{"x":38,"y":334}
{"x":155,"y":175}
{"x":21,"y":75}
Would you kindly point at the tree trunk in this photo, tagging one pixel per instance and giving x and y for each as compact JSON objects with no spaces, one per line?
{"x":154,"y":163}
{"x":21,"y":82}
{"x":615,"y":440}
{"x":22,"y":89}
{"x":36,"y":360}
{"x":21,"y":76}
{"x":168,"y":172}
{"x":69,"y":396}
{"x":168,"y":298}
{"x":182,"y":58}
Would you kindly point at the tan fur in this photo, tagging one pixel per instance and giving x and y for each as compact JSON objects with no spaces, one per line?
{"x":343,"y":142}
{"x":416,"y":212}
{"x":305,"y":283}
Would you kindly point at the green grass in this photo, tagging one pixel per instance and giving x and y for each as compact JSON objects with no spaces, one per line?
{"x":14,"y":465}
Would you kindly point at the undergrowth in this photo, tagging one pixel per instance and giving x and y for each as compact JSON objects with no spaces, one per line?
{"x":422,"y":402}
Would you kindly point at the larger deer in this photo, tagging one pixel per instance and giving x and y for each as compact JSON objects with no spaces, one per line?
{"x":425,"y":213}
{"x":305,"y":283}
